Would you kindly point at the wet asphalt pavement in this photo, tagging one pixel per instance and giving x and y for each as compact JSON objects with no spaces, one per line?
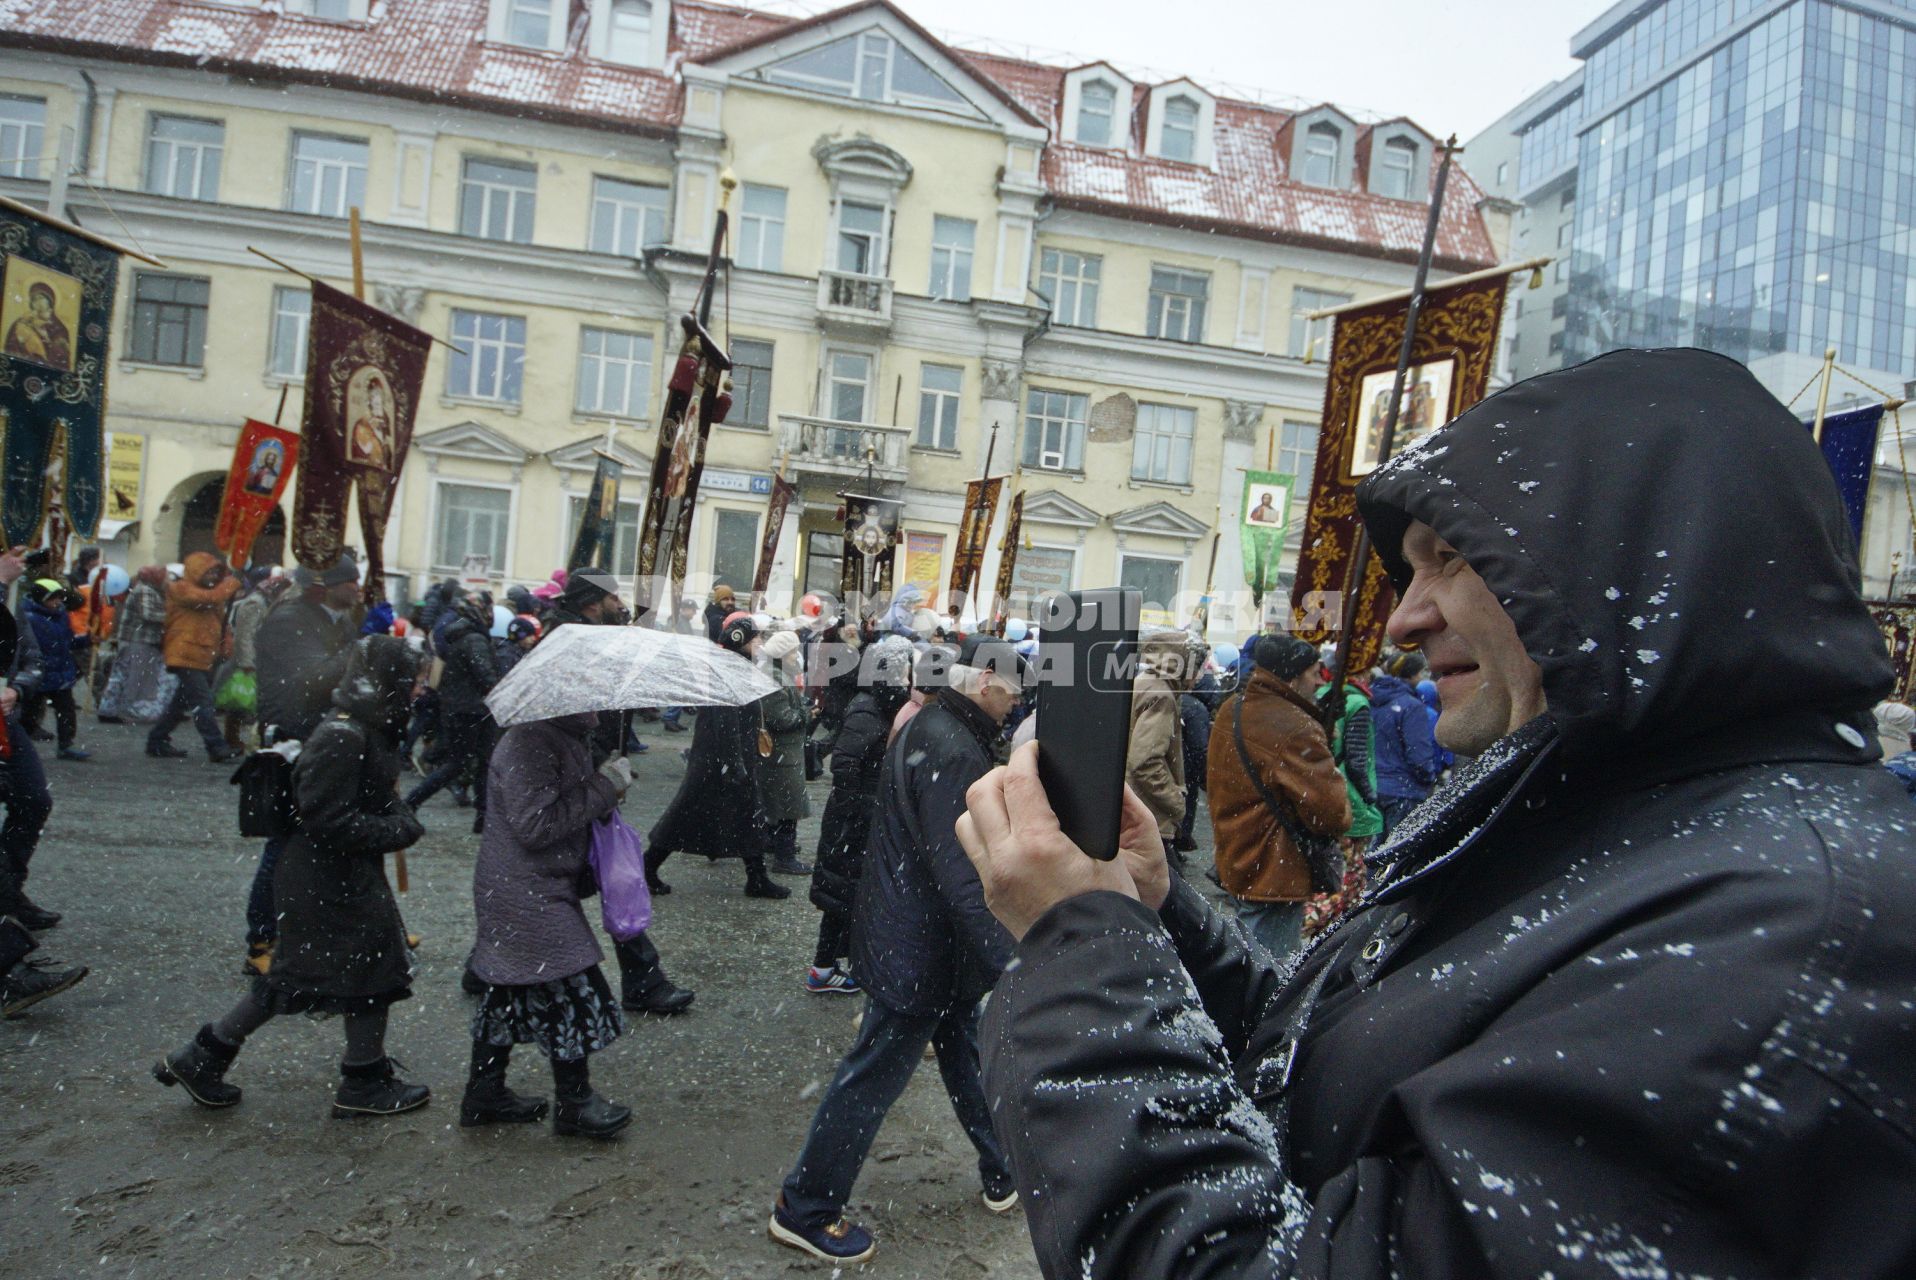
{"x":105,"y":1173}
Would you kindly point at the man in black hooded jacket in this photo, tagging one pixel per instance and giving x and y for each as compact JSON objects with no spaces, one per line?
{"x":1634,"y":995}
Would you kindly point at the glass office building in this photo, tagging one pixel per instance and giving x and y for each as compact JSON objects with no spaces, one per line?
{"x":1745,"y":180}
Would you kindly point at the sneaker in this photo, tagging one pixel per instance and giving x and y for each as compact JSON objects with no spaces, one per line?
{"x":75,"y":753}
{"x":841,"y":1241}
{"x":830,"y":982}
{"x":1000,"y":1204}
{"x":31,"y":981}
{"x":164,"y":751}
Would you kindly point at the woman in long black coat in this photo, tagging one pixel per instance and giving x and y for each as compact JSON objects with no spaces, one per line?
{"x":858,"y":755}
{"x":719,"y":810}
{"x":342,"y":947}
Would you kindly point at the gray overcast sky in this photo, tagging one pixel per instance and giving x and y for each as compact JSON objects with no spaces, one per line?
{"x":1452,"y":65}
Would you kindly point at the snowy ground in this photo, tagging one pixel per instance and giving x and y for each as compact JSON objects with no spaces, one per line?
{"x":103,"y":1172}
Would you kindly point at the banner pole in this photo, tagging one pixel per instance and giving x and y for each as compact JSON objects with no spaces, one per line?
{"x":1360,"y":562}
{"x":359,"y":258}
{"x":1823,"y":393}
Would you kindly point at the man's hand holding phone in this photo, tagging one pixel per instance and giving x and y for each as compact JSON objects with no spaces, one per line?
{"x":1026,"y":862}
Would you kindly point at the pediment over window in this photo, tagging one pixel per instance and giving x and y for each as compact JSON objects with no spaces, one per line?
{"x":583,"y":455}
{"x":473,"y":440}
{"x":873,"y":53}
{"x":1048,"y":506}
{"x":863,"y":158}
{"x":1395,"y":159}
{"x":1320,"y":146}
{"x":1096,"y":109}
{"x":1159,"y":519}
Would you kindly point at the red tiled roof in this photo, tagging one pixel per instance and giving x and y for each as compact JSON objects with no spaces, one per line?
{"x":436,"y":51}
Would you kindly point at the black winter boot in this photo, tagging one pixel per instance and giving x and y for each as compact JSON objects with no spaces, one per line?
{"x":657,"y":886}
{"x":375,"y":1089}
{"x":199,"y":1067}
{"x":581,"y":1112}
{"x":488,"y":1100}
{"x":760,"y":885}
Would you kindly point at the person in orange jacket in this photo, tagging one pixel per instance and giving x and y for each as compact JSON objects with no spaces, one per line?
{"x":196,"y":637}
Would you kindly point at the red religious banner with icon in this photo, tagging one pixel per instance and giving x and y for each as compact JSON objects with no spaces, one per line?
{"x":262,"y":465}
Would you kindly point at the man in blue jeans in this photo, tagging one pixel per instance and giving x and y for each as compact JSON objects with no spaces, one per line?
{"x":925,"y":949}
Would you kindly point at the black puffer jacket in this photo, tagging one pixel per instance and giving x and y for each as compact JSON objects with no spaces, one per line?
{"x":1634,"y":994}
{"x":342,"y":946}
{"x":302,"y":657}
{"x":923,"y":941}
{"x":858,"y":758}
{"x":471,"y":669}
{"x":718,"y":810}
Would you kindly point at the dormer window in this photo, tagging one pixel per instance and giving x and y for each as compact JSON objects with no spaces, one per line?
{"x":1396,"y":163}
{"x":529,"y":22}
{"x":630,"y":37}
{"x":1097,"y":104}
{"x":1177,"y":137}
{"x":870,"y":66}
{"x":1323,"y":153}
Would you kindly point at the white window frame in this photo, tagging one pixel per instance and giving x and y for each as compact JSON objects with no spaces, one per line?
{"x":939,"y":407}
{"x":476,"y":345}
{"x":833,"y":380}
{"x":1179,"y":135}
{"x":1085,"y":111}
{"x":164,"y":157}
{"x":1175,"y":314}
{"x":761,"y":233}
{"x":1202,"y":129}
{"x":1317,"y":132}
{"x":301,"y":318}
{"x":954,"y":243}
{"x":636,"y":42}
{"x":1163,"y":444}
{"x":328,"y":10}
{"x":23,"y":139}
{"x":349,"y":173}
{"x":501,"y":567}
{"x":599,"y":32}
{"x":186,"y":318}
{"x":593,"y":367}
{"x":520,"y":202}
{"x":874,"y":75}
{"x":647,"y":221}
{"x":1304,"y":339}
{"x":1071,"y":431}
{"x":513,"y":21}
{"x":718,"y":515}
{"x":1177,"y":565}
{"x":1289,"y":431}
{"x":741,"y":398}
{"x":876,"y":241}
{"x":1396,"y":168}
{"x":1083,"y":281}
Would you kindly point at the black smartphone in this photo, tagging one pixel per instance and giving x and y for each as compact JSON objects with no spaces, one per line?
{"x":1087,"y":657}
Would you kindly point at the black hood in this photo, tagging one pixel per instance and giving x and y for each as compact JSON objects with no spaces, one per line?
{"x":377,"y":687}
{"x":1664,"y":534}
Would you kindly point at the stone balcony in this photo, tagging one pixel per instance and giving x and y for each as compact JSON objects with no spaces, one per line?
{"x":852,"y":303}
{"x":828,"y":448}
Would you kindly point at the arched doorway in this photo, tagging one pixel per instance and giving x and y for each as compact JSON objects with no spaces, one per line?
{"x":200,"y":516}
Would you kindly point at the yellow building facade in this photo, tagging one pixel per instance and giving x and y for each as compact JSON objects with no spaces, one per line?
{"x":936,"y":256}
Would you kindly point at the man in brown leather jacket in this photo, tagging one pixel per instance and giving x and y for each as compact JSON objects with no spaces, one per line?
{"x":1258,"y":861}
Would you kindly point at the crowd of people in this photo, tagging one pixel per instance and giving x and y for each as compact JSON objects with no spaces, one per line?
{"x":1282,"y":1104}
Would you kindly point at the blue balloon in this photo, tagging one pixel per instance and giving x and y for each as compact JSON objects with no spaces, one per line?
{"x":1016,"y":629}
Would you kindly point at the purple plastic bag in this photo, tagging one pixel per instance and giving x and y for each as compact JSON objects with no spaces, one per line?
{"x":618,"y":861}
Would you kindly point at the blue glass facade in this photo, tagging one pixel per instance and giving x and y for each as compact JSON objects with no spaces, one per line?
{"x":1760,"y":199}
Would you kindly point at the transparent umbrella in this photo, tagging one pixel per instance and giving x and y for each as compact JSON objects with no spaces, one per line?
{"x":588,"y":668}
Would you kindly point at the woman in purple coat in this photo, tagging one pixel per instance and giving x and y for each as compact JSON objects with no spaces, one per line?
{"x":535,"y":952}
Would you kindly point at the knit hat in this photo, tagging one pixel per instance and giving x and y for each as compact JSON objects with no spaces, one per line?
{"x":737,"y":631}
{"x":780,"y":645}
{"x":889,"y":661}
{"x":1285,"y":657}
{"x":585,"y":586}
{"x":1895,"y":722}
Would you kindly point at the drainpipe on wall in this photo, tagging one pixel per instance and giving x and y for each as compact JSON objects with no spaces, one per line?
{"x":83,"y":163}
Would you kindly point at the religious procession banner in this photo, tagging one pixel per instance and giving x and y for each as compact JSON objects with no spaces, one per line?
{"x":924,"y":558}
{"x":56,"y":311}
{"x":1898,"y":623}
{"x":1008,"y":560}
{"x":1260,"y":530}
{"x":263,"y":462}
{"x":871,"y":543}
{"x":694,"y":400}
{"x":783,"y":491}
{"x":968,"y":557}
{"x":364,"y":370}
{"x":1451,"y":358}
{"x":599,"y":522}
{"x":1849,"y":446}
{"x":125,"y":474}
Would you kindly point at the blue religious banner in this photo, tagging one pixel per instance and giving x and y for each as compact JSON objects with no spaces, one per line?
{"x":56,"y":310}
{"x":1849,"y":446}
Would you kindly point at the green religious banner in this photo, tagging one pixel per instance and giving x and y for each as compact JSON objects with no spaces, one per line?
{"x":1261,"y":529}
{"x":56,"y":312}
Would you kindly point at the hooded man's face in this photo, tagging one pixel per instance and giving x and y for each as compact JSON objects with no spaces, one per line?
{"x":1487,"y":681}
